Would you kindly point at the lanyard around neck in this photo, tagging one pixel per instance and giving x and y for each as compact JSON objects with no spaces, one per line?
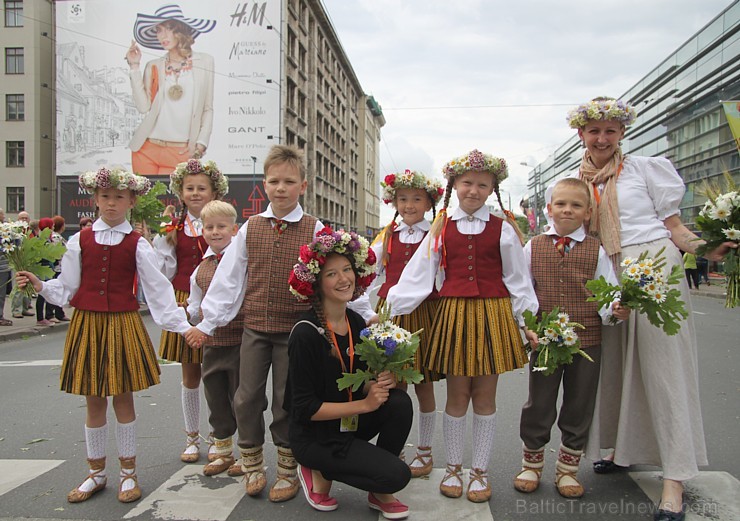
{"x":350,"y":351}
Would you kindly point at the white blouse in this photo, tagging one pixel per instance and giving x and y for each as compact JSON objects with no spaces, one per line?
{"x":418,"y":278}
{"x":166,"y":254}
{"x":407,"y":235}
{"x":158,"y":291}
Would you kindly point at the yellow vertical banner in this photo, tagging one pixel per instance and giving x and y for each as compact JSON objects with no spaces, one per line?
{"x":732,"y":112}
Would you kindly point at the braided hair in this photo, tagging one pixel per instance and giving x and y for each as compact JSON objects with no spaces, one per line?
{"x":508,"y":216}
{"x":440,"y":220}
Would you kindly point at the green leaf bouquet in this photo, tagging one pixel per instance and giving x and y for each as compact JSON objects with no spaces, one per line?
{"x":29,"y":253}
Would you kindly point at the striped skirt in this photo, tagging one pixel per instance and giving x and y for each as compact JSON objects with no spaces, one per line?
{"x":172,"y":346}
{"x":106,"y":354}
{"x":475,"y":337}
{"x":420,"y":318}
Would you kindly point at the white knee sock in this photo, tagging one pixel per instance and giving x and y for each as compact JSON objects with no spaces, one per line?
{"x":191,"y":408}
{"x":454,"y":432}
{"x":126,"y":439}
{"x":426,"y":428}
{"x":483,"y":430}
{"x":96,"y":439}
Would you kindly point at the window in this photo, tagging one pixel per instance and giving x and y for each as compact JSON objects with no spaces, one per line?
{"x":14,"y":60}
{"x":15,"y":107}
{"x":15,"y":153}
{"x":16,"y":199}
{"x":13,"y":13}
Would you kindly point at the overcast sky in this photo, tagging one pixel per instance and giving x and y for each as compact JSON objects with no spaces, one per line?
{"x":444,"y":71}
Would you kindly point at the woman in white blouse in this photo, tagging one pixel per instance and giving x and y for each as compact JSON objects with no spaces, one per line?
{"x":648,"y":408}
{"x":175,"y":91}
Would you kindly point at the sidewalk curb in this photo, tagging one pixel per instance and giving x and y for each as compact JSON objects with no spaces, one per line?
{"x":21,"y":334}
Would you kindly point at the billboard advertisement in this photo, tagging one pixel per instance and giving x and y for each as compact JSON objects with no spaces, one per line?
{"x":146,"y":84}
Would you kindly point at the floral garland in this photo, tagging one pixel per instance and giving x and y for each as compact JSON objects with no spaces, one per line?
{"x":313,"y":256}
{"x":410,"y":179}
{"x":193,"y":167}
{"x":478,"y":162}
{"x":602,"y":110}
{"x":115,"y":178}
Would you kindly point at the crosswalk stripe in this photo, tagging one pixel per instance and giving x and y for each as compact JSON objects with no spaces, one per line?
{"x":710,"y":495}
{"x":16,"y":472}
{"x":425,"y":502}
{"x":185,"y":495}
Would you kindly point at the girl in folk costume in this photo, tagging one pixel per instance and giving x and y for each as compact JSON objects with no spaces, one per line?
{"x":195,"y":183}
{"x":647,"y":407}
{"x":412,"y":194}
{"x":475,"y":333}
{"x":108,"y":351}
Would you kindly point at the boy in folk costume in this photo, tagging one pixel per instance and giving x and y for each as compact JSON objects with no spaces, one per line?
{"x":108,"y":351}
{"x":561,"y":261}
{"x":252,"y":277}
{"x":221,"y":353}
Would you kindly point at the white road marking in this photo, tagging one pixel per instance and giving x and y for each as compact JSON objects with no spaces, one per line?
{"x":425,"y":502}
{"x":30,"y":363}
{"x":188,"y":494}
{"x":16,"y":472}
{"x":710,"y":495}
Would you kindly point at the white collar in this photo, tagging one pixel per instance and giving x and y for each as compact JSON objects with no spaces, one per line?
{"x":481,"y":213}
{"x":292,"y":217}
{"x":422,"y":225}
{"x":578,"y":235}
{"x":101,"y":226}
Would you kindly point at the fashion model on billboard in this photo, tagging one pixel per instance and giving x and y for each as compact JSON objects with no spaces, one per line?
{"x":175,"y":91}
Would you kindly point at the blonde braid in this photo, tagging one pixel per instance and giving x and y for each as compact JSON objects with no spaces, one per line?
{"x":508,"y":215}
{"x":441,"y":219}
{"x":319,"y":310}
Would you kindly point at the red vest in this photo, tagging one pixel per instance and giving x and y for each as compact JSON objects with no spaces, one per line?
{"x":99,"y":289}
{"x":189,"y":252}
{"x":474,"y":262}
{"x":400,"y":255}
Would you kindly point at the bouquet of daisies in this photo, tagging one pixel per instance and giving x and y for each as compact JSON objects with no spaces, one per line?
{"x":719,"y":221}
{"x":384,"y":347}
{"x":26,"y":253}
{"x":646,"y":288}
{"x":558,"y":341}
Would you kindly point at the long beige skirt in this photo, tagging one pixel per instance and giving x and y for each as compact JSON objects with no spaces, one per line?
{"x":647,"y":404}
{"x":172,"y":346}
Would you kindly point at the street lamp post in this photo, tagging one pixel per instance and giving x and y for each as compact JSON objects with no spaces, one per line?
{"x":254,"y":165}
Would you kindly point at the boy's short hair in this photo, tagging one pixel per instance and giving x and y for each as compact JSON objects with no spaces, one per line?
{"x":217,"y":208}
{"x":290,"y":154}
{"x":574,"y":182}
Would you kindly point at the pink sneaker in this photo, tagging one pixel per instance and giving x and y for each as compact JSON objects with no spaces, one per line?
{"x":321,"y":502}
{"x":393,"y":510}
{"x":44,"y":323}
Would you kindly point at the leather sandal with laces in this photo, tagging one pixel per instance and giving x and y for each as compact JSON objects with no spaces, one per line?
{"x":479,"y":496}
{"x":220,"y":464}
{"x":213,"y":455}
{"x":132,"y":494}
{"x":187,"y":456}
{"x":424,"y":458}
{"x":96,"y":467}
{"x":528,"y":479}
{"x":565,"y":473}
{"x":453,"y":491}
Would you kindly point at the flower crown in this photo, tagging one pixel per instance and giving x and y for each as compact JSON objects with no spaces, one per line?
{"x":602,"y":110}
{"x":313,"y":256}
{"x":193,"y":167}
{"x":409,"y":179}
{"x":476,"y":161}
{"x":116,"y":178}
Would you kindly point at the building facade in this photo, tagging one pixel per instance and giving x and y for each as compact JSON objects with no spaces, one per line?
{"x":27,"y":113}
{"x":680,"y":117}
{"x":329,"y":116}
{"x":324,"y":111}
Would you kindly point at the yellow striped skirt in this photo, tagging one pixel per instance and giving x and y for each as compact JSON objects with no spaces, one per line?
{"x":475,"y":337}
{"x":172,"y":346}
{"x":106,"y":354}
{"x":420,"y":318}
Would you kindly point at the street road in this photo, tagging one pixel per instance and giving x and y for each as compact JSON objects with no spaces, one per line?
{"x":42,"y":452}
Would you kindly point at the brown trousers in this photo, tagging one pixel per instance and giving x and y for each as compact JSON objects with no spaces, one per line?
{"x":259,"y":353}
{"x":220,"y":381}
{"x":580,"y":380}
